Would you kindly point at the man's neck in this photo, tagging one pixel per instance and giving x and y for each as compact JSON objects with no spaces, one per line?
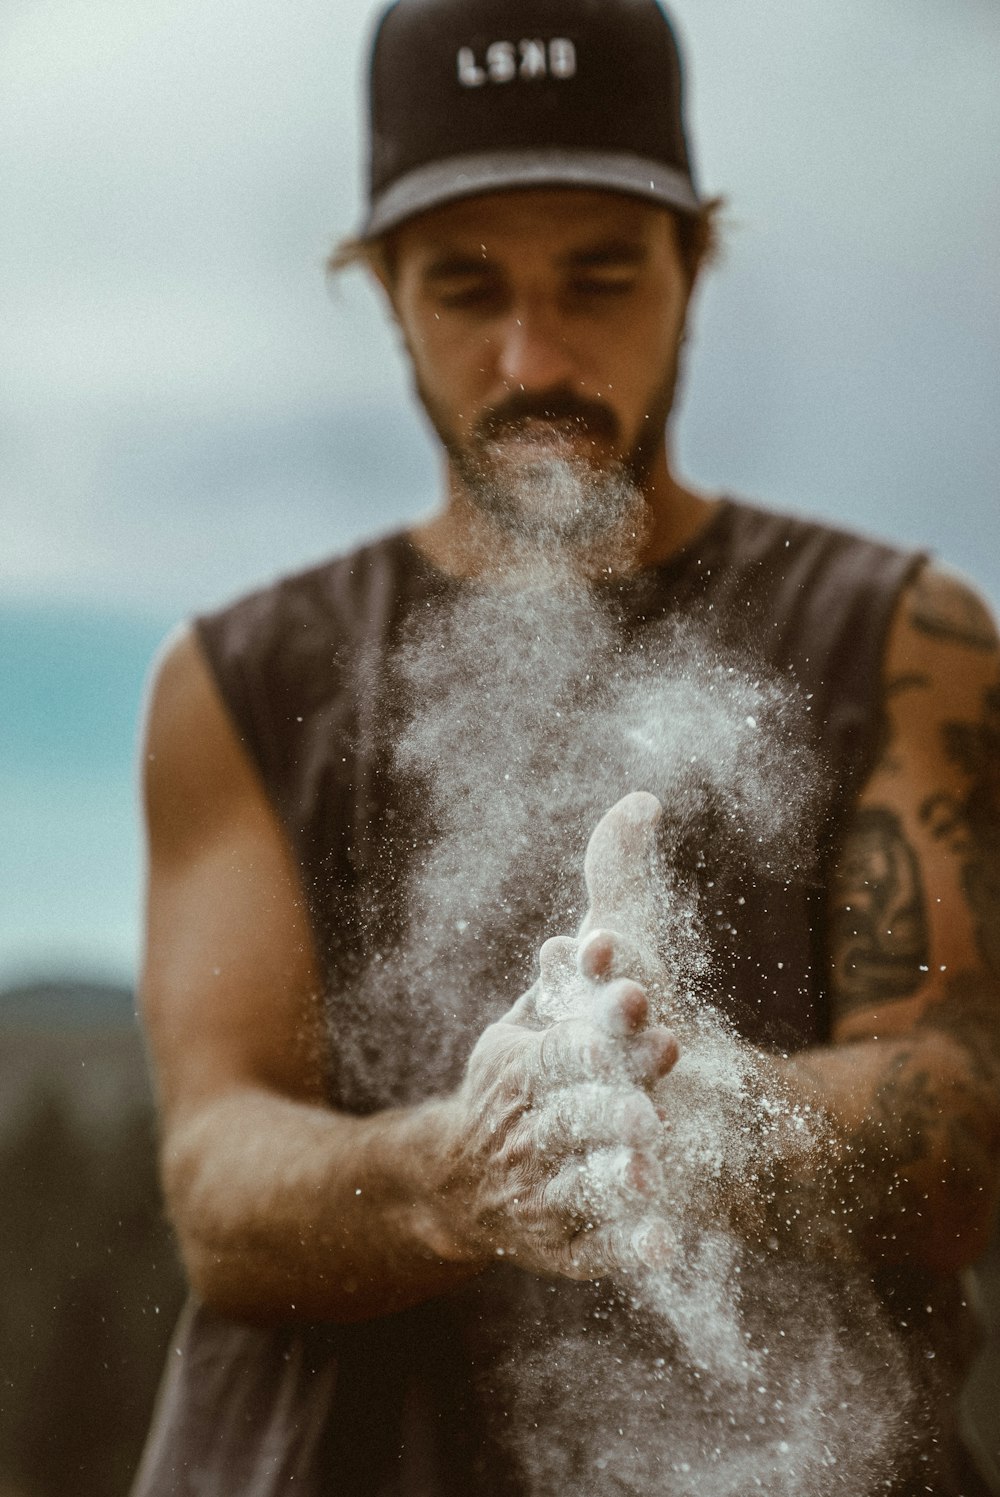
{"x":462,"y":540}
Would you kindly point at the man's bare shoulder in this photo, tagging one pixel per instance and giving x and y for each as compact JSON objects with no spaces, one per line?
{"x":195,"y":772}
{"x":943,"y":652}
{"x":229,"y":991}
{"x":180,"y":676}
{"x":942,"y":605}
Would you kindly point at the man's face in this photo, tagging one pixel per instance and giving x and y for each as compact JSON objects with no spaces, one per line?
{"x":543,"y":328}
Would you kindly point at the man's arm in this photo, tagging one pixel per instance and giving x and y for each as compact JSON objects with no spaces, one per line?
{"x":284,"y":1208}
{"x":912,"y":1081}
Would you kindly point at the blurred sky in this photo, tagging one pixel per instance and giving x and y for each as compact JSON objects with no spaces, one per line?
{"x":186,"y":410}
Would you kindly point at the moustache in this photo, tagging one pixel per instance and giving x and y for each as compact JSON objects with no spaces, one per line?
{"x":558,"y":408}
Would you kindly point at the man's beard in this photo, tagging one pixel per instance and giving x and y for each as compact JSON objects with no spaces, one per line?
{"x":526,"y":467}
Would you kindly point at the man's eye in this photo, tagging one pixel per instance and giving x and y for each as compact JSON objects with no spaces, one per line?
{"x":472,"y":297}
{"x":602,"y":285}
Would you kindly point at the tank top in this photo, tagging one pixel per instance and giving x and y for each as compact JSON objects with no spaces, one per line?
{"x":403,"y":1404}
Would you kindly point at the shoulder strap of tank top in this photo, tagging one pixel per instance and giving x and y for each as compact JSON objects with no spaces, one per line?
{"x":281,"y":655}
{"x":822,"y":602}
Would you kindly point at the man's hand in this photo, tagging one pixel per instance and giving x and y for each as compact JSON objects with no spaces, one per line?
{"x":554,"y":1160}
{"x":286,"y":1209}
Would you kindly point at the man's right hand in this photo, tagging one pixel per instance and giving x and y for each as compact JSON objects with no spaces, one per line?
{"x":552,"y":1157}
{"x":286,"y":1208}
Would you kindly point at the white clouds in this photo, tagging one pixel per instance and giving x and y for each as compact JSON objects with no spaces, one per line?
{"x":878,"y":124}
{"x":158,"y":509}
{"x":168,"y":127}
{"x":849,"y":350}
{"x":172,"y":172}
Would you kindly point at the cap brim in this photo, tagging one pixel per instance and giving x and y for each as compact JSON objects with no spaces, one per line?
{"x":443,"y":182}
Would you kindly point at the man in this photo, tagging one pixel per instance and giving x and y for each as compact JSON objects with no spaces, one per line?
{"x":392,"y":1245}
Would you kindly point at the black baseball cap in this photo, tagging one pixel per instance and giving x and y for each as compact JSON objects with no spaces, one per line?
{"x":472,"y":96}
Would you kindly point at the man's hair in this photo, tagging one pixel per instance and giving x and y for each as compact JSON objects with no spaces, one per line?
{"x":698,"y":240}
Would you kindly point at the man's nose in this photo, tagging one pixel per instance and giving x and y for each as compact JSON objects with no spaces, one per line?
{"x":534,"y":353}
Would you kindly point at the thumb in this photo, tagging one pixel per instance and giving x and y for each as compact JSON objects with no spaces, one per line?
{"x":619,"y":867}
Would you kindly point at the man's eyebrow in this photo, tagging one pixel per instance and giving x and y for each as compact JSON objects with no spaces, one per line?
{"x":606,"y":253}
{"x":452,"y":263}
{"x":609,"y":252}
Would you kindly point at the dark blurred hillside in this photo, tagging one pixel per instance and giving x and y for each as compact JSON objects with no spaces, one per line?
{"x":89,"y":1280}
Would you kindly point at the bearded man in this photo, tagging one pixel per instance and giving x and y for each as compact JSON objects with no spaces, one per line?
{"x":457,"y":1219}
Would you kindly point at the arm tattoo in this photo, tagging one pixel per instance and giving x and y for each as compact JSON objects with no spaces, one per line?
{"x":913,"y":681}
{"x":952,"y":613}
{"x":970,"y":824}
{"x":904,"y":1108}
{"x":879,"y":943}
{"x":970,"y":1016}
{"x":957,"y":1120}
{"x":929,"y":1132}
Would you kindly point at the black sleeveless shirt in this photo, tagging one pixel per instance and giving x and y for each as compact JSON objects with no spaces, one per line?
{"x":402,"y":1405}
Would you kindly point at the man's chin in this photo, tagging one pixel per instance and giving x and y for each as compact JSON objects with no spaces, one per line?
{"x":550,"y":493}
{"x":540,"y":442}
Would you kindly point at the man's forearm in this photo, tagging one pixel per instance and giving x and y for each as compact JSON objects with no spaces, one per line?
{"x":914,"y":1136}
{"x":288,"y":1211}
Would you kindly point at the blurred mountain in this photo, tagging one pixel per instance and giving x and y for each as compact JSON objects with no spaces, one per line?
{"x":66,"y":1005}
{"x":90,"y":1279}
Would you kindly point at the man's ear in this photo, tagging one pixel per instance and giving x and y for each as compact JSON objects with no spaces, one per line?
{"x":377,"y":260}
{"x":385,"y":288}
{"x":380,"y":262}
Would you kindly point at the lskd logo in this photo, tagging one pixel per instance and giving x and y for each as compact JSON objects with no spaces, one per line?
{"x":504,"y":61}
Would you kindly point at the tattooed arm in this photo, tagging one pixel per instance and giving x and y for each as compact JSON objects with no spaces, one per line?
{"x":912,"y":1080}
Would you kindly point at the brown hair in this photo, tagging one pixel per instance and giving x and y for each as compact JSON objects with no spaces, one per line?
{"x":698,"y":240}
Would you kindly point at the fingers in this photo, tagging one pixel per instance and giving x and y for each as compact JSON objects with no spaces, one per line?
{"x":609,"y":1185}
{"x":562,"y":963}
{"x":619,"y":871}
{"x":577,"y":1051}
{"x":653,"y":1056}
{"x":560,"y":992}
{"x":598,"y":956}
{"x":592,"y":1117}
{"x":600,"y":1211}
{"x":622,"y":1008}
{"x":572,"y":972}
{"x":571,"y":1144}
{"x":557,"y":960}
{"x":619,"y":861}
{"x":595,"y":957}
{"x":615,"y":1248}
{"x":527,"y":1009}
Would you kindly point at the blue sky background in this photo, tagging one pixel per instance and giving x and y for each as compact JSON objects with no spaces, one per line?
{"x":185,"y":410}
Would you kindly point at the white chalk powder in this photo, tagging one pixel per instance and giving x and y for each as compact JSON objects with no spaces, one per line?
{"x":736,"y":1368}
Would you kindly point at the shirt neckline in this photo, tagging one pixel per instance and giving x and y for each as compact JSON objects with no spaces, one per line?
{"x":705,"y":540}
